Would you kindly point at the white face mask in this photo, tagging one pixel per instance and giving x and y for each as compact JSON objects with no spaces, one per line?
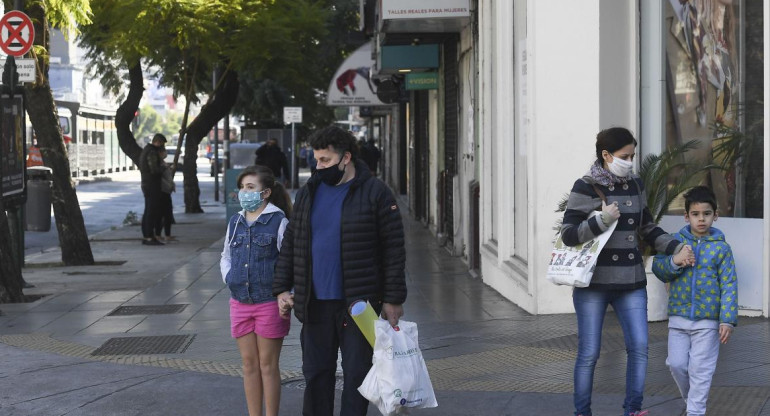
{"x":620,"y":168}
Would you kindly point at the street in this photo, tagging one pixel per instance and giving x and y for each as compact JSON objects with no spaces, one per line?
{"x":106,"y":201}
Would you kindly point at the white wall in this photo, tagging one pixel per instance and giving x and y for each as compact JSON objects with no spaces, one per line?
{"x":618,"y":86}
{"x":467,"y":143}
{"x":499,"y":269}
{"x":581,"y":78}
{"x":566,"y":102}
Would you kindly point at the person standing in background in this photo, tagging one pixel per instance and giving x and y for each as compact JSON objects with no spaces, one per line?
{"x":151,"y":168}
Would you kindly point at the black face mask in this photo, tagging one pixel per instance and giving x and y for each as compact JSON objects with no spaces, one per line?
{"x":331,"y":175}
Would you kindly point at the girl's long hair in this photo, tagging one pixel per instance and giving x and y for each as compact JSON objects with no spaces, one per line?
{"x":278,"y":195}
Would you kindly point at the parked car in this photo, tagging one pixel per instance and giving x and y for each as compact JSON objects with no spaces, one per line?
{"x":241,"y":155}
{"x":170,"y":152}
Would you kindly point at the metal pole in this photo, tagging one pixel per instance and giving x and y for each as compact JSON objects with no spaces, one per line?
{"x":216,"y":161}
{"x":294,"y":179}
{"x":216,"y":148}
{"x":19,"y":214}
{"x":226,"y":142}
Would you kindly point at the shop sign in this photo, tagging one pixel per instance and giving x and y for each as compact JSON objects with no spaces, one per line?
{"x":352,"y":84}
{"x":424,"y":9}
{"x":422,"y":81}
{"x":12,"y":146}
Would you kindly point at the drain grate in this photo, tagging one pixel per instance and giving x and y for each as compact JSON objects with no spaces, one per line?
{"x":148,"y":309}
{"x":164,"y":344}
{"x":299,"y":383}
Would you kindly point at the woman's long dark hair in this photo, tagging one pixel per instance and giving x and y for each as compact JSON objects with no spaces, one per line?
{"x":278,"y":195}
{"x":612,"y":140}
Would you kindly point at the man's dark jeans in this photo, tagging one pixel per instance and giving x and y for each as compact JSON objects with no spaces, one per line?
{"x":327,"y":328}
{"x":152,"y":209}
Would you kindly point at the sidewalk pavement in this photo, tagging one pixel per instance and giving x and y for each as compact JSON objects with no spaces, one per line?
{"x":145,"y":331}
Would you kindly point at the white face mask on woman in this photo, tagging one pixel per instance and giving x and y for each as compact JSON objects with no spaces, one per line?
{"x":620,"y":168}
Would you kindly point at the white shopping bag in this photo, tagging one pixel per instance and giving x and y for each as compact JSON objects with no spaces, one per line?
{"x":399,"y":378}
{"x":574,"y":266}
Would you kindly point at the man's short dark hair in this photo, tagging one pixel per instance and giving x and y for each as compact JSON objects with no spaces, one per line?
{"x":339,"y":139}
{"x":159,"y":137}
{"x":700,"y":194}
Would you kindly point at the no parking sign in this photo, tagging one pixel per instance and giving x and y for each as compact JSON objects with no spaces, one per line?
{"x":16,"y":33}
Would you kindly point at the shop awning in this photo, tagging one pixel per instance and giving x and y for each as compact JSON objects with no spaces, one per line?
{"x":352,"y":84}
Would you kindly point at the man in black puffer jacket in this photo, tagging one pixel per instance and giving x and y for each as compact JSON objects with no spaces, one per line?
{"x":344,"y":242}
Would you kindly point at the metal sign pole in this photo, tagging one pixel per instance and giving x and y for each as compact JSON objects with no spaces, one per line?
{"x":216,"y":149}
{"x":226,"y":143}
{"x":294,"y":179}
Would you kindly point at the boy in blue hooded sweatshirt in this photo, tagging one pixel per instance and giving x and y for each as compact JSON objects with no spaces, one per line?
{"x":703,"y":299}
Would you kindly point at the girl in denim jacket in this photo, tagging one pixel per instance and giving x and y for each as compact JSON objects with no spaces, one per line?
{"x":252,"y":242}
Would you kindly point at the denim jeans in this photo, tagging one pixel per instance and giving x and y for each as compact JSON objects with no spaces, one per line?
{"x":631,"y":309}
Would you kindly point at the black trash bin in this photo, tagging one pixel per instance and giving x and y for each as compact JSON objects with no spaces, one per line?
{"x":38,"y":206}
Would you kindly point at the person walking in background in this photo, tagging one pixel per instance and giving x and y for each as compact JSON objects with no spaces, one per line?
{"x":703,"y":299}
{"x":167,"y":186}
{"x":619,"y":278}
{"x":371,"y":155}
{"x":271,"y":155}
{"x":345,"y":242}
{"x":252,"y":242}
{"x":34,"y":157}
{"x":311,"y":162}
{"x":151,"y":168}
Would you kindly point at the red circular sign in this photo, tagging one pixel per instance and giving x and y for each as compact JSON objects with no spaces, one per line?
{"x":16,"y":33}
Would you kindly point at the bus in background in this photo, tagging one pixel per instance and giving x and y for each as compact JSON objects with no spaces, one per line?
{"x":91,"y":139}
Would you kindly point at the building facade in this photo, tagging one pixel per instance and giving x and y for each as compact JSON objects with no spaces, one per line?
{"x":523,"y":88}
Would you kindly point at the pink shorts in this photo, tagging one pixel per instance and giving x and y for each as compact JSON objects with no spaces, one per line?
{"x":261,"y":318}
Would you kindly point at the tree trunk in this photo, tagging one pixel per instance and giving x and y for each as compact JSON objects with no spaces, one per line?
{"x":73,"y":239}
{"x":219,"y":106}
{"x":127,"y":111}
{"x":10,"y":272}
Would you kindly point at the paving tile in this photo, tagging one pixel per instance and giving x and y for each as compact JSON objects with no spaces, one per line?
{"x":116,"y":296}
{"x":113,"y":325}
{"x":106,"y":307}
{"x":30,"y":322}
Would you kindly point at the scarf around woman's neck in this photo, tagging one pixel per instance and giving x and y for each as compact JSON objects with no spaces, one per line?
{"x":603,"y":176}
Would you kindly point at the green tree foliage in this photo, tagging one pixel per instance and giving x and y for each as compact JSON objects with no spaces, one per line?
{"x":171,"y":124}
{"x":184,"y":41}
{"x":301,"y":79}
{"x":149,"y":123}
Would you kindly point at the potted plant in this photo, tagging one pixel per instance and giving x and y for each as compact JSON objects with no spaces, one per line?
{"x":739,"y":151}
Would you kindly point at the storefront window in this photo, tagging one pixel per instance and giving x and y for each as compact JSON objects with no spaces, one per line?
{"x":714,"y":65}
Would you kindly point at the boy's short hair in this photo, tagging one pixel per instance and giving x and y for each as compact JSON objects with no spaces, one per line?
{"x":341,"y":140}
{"x":700,"y":194}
